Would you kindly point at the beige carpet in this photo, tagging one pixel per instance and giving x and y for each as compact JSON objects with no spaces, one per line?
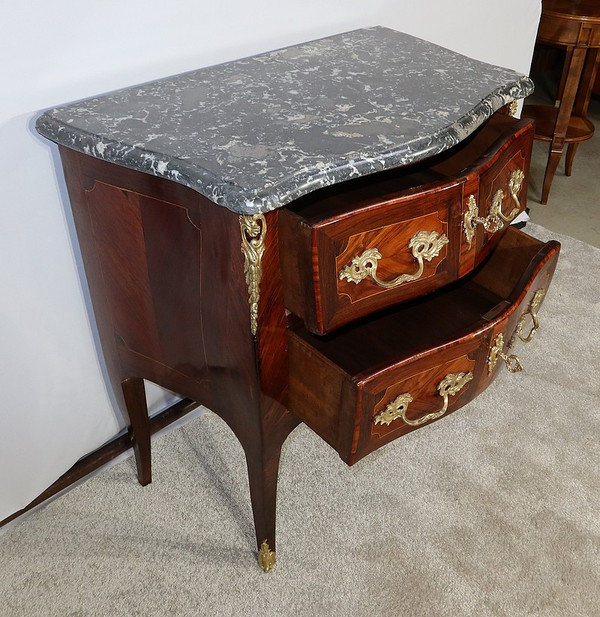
{"x":494,"y":511}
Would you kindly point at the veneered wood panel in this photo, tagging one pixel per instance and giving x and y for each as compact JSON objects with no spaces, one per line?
{"x":322,"y":234}
{"x":412,"y":347}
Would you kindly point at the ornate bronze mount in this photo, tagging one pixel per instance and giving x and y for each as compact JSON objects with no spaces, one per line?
{"x":266,"y":557}
{"x":513,"y":364}
{"x":532,"y":310}
{"x":254,"y":229}
{"x":449,"y":386}
{"x":424,"y":245}
{"x":496,"y":219}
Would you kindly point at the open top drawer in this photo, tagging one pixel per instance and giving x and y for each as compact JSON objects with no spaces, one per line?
{"x":369,"y":383}
{"x":370,"y":243}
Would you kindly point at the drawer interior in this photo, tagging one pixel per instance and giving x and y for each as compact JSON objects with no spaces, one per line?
{"x":423,"y":324}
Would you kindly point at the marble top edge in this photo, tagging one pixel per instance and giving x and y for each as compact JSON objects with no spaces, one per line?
{"x":254,"y":134}
{"x":344,"y":169}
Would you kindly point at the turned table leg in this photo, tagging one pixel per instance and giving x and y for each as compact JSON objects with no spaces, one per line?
{"x":582,"y":101}
{"x":575,"y":67}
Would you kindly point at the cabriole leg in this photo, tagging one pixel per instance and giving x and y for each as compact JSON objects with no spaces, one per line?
{"x":263,"y":469}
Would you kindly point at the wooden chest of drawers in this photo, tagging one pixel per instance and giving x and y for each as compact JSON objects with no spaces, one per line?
{"x":336,"y":253}
{"x":282,"y":331}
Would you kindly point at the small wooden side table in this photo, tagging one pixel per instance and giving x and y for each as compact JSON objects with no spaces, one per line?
{"x":574,"y":25}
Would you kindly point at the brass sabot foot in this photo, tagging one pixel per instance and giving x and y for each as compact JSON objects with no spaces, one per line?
{"x":266,"y":557}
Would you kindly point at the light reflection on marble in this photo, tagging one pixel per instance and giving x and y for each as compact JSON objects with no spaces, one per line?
{"x":254,"y":134}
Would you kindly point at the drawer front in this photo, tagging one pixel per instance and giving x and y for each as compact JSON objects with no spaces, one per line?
{"x":350,"y":252}
{"x":494,"y":198}
{"x":372,"y":258}
{"x":420,"y":392}
{"x":372,"y":383}
{"x":426,"y":394}
{"x":395,"y":257}
{"x":437,"y":383}
{"x":363,"y":271}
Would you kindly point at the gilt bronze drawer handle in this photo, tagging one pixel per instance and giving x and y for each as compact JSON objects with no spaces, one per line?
{"x":513,"y":364}
{"x":532,"y":310}
{"x":424,"y":245}
{"x":449,"y":386}
{"x":496,"y":219}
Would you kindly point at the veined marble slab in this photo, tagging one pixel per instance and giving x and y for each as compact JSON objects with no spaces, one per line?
{"x":254,"y":134}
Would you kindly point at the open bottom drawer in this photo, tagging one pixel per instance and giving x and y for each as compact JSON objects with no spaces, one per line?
{"x":367,"y":384}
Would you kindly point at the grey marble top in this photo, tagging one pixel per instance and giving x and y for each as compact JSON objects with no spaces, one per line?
{"x":254,"y":134}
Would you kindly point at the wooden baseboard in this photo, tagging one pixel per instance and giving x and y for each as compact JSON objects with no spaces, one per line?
{"x":105,"y":454}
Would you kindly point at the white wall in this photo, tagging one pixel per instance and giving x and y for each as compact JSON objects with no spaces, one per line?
{"x":54,"y":403}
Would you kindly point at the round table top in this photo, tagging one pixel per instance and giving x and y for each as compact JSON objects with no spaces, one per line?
{"x":579,"y":10}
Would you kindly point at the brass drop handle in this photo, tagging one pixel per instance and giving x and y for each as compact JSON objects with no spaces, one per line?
{"x":424,"y":245}
{"x":532,"y":310}
{"x":449,"y":386}
{"x":496,"y":219}
{"x":513,"y":364}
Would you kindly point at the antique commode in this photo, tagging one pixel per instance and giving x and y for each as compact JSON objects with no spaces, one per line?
{"x":319,"y":234}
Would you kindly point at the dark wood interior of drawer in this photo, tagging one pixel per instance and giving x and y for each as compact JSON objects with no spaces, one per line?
{"x":437,"y":319}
